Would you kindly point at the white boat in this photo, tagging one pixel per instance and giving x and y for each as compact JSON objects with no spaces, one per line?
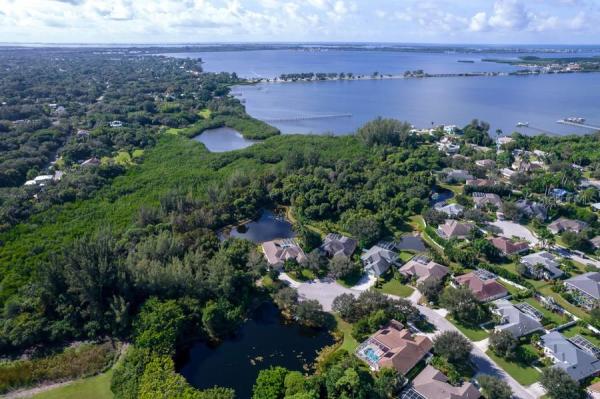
{"x":523,"y":124}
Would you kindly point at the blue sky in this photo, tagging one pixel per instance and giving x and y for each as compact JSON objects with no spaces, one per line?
{"x":190,"y":21}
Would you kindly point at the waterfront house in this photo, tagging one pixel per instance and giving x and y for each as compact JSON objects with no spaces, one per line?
{"x":480,"y":182}
{"x":433,"y":384}
{"x":482,"y":200}
{"x":395,"y":347}
{"x":378,"y":259}
{"x":515,"y":320}
{"x":83,"y":133}
{"x":483,"y":285}
{"x":564,"y":224}
{"x":423,"y":269}
{"x":532,"y":209}
{"x":452,"y":210}
{"x":504,"y":140}
{"x":278,"y":251}
{"x":578,"y":363}
{"x":542,"y":265}
{"x":585,"y":289}
{"x":338,"y":245}
{"x":509,"y":247}
{"x":454,"y":229}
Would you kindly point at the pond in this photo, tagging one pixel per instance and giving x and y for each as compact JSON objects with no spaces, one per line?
{"x":411,"y":243}
{"x":223,"y":139}
{"x":264,"y":341}
{"x":269,"y":226}
{"x":441,"y":195}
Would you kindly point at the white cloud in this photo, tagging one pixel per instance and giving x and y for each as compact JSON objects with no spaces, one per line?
{"x":479,"y":22}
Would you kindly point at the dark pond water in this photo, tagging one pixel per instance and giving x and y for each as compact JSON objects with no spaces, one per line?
{"x":441,"y":195}
{"x":411,"y":243}
{"x":269,"y":226}
{"x":223,"y":139}
{"x":264,"y":341}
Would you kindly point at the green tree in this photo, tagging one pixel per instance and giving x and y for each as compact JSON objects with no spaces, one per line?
{"x":220,"y":318}
{"x":559,"y":384}
{"x":503,"y":344}
{"x":158,"y":326}
{"x":462,"y":304}
{"x":310,"y":313}
{"x":341,"y":266}
{"x":388,"y":383}
{"x":452,"y":346}
{"x":270,"y":383}
{"x":431,"y":288}
{"x":494,"y":388}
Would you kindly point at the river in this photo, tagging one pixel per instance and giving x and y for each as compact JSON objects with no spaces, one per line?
{"x":502,"y":101}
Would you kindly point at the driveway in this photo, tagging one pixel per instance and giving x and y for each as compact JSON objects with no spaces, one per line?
{"x":511,"y":229}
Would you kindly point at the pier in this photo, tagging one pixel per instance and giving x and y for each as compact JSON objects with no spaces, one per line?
{"x":303,"y":117}
{"x":582,"y":125}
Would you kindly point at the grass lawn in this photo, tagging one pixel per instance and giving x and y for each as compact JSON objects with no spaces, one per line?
{"x":349,"y":343}
{"x":204,"y":113}
{"x":584,"y":332}
{"x":525,"y":374}
{"x":97,"y":387}
{"x":473,"y":333}
{"x":405,"y":256}
{"x":547,"y":291}
{"x":303,"y":275}
{"x":395,"y":287}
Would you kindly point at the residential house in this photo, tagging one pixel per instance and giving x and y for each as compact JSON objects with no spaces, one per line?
{"x":514,"y":320}
{"x":278,"y":251}
{"x":423,"y":269}
{"x":433,"y":384}
{"x":484,"y":287}
{"x":594,"y":390}
{"x":116,"y":124}
{"x":378,"y":259}
{"x":395,"y":347}
{"x":453,"y":210}
{"x":451,"y":129}
{"x":486,"y":163}
{"x":482,"y":200}
{"x":454,"y":229}
{"x":564,"y":224}
{"x":58,"y":175}
{"x":532,"y":209}
{"x":542,"y":265}
{"x":83,"y":133}
{"x":338,"y":245}
{"x":596,"y":242}
{"x":457,"y":175}
{"x":507,"y":173}
{"x":596,"y":206}
{"x":523,"y":166}
{"x":480,"y":182}
{"x":504,"y":140}
{"x":509,"y":247}
{"x":578,"y":363}
{"x":585,"y":288}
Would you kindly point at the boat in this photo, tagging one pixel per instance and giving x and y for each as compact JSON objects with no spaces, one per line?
{"x":574,"y":119}
{"x":523,"y":124}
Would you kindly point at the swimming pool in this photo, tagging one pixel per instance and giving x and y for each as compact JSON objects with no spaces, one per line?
{"x":371,"y":355}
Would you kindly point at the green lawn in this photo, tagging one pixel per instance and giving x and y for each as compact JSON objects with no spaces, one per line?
{"x":551,"y":316}
{"x":473,"y":333}
{"x":349,"y":343}
{"x":547,"y":291}
{"x":405,"y":256}
{"x":97,"y":387}
{"x":303,"y":275}
{"x":395,"y":287}
{"x":584,"y":332}
{"x":525,"y":374}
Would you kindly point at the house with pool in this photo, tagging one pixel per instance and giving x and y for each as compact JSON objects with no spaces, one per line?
{"x":395,"y":347}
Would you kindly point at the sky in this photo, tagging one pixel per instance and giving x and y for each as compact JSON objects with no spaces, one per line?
{"x":205,"y":21}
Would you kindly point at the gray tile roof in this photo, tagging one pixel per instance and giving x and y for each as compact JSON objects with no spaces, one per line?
{"x":588,"y":283}
{"x":576,"y":362}
{"x":337,"y":244}
{"x":545,"y":259}
{"x":378,"y":259}
{"x":515,"y":321}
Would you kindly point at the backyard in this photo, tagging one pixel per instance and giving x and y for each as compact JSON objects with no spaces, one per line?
{"x":521,"y":368}
{"x":474,"y":333}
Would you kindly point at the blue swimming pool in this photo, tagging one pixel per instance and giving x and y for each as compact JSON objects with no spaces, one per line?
{"x":371,"y":355}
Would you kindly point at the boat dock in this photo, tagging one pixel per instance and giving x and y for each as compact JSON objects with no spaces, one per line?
{"x":582,"y":125}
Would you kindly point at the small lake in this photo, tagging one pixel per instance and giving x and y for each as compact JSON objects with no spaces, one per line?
{"x":411,"y":243}
{"x":441,"y":196}
{"x":264,"y":341}
{"x":269,"y":226}
{"x":223,"y":139}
